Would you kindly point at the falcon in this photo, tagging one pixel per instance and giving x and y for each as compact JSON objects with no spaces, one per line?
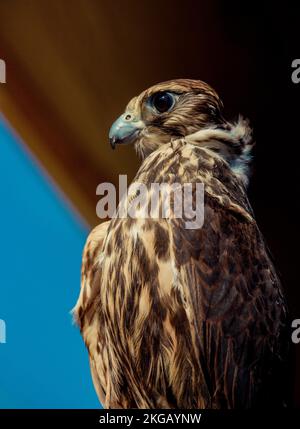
{"x":175,"y":317}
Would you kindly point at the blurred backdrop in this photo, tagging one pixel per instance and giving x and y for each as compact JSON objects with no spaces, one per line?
{"x":71,"y":67}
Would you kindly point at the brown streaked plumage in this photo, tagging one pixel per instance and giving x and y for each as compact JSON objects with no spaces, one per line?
{"x":179,"y":318}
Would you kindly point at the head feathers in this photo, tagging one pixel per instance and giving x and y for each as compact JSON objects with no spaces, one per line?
{"x":188,"y":109}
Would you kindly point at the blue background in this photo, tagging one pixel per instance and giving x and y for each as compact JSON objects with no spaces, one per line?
{"x":44,"y":363}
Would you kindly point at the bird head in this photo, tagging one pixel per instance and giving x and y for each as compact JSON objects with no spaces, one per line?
{"x":167,"y":111}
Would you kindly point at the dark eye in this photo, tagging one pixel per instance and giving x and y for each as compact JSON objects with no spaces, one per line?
{"x":162,"y":101}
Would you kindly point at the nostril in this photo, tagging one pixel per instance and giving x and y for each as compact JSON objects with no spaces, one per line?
{"x":128,"y":117}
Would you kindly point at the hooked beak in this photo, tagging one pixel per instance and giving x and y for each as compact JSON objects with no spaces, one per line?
{"x":124,"y":130}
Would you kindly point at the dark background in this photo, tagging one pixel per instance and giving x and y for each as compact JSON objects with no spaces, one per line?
{"x":73,"y":66}
{"x":269,"y":37}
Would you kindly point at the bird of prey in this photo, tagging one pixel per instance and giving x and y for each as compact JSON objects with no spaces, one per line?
{"x":175,"y":317}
